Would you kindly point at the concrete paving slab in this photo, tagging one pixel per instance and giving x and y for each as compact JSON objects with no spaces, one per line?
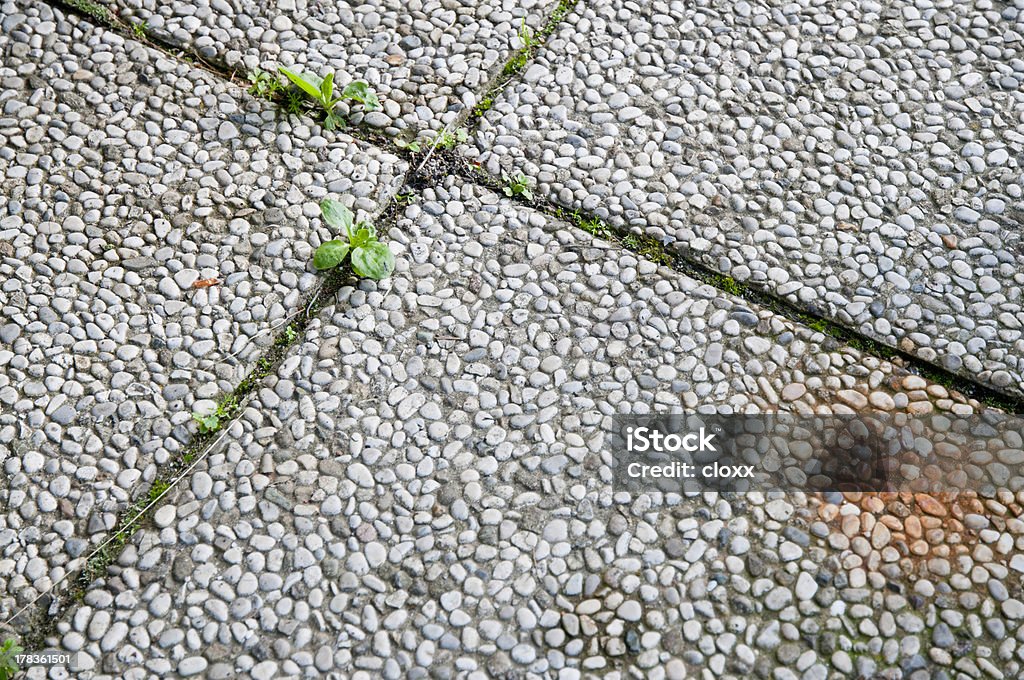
{"x":861,"y":161}
{"x":427,"y":60}
{"x":127,"y":179}
{"x":421,"y":489}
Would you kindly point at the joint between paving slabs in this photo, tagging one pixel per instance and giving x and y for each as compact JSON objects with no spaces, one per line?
{"x":680,"y":260}
{"x":47,"y":610}
{"x":445,"y":161}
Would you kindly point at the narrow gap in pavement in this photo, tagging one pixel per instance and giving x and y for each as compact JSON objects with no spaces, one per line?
{"x":440,"y":163}
{"x":41,"y":616}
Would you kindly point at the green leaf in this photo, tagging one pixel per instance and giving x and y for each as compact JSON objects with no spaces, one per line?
{"x":368,"y":227}
{"x":527,"y":194}
{"x":374,"y":261}
{"x":362,"y":237}
{"x":338,"y":216}
{"x":207,"y":423}
{"x":330,"y":254}
{"x":307,"y":82}
{"x":327,"y":90}
{"x":359,"y":91}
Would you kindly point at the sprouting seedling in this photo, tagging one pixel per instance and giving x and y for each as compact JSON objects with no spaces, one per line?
{"x":413,"y":145}
{"x":264,"y":84}
{"x":448,"y":139}
{"x":369,"y":257}
{"x":526,"y":35}
{"x":321,"y":91}
{"x":517,"y":186}
{"x":9,"y":652}
{"x":207,"y":423}
{"x":140,"y":28}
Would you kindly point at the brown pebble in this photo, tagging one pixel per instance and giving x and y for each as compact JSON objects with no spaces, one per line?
{"x":893,"y":523}
{"x":874,"y":504}
{"x":930,"y":505}
{"x":920,"y":408}
{"x":912,"y":525}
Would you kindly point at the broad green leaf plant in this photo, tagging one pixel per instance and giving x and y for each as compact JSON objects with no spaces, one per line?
{"x":519,"y":185}
{"x":321,"y":91}
{"x":369,"y":257}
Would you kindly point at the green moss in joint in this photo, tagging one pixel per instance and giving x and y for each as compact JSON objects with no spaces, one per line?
{"x":650,"y":248}
{"x":726,"y":284}
{"x":159,"y":488}
{"x":93,"y":10}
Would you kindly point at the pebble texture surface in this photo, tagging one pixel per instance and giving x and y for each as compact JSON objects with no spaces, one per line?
{"x":426,"y":59}
{"x":861,"y":159}
{"x":422,"y":490}
{"x":127,"y":178}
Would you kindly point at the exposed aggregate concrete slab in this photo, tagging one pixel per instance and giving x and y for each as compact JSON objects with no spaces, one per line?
{"x":421,"y":489}
{"x":859,"y":159}
{"x":126,"y":178}
{"x":426,"y":59}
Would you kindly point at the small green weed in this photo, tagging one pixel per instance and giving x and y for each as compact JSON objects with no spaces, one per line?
{"x":483,"y":107}
{"x":405,"y":199}
{"x":207,"y":423}
{"x":726,"y":284}
{"x":517,"y":62}
{"x":321,"y":91}
{"x":264,"y":84}
{"x":369,"y":257}
{"x":591,"y":225}
{"x":449,"y":139}
{"x":649,"y":247}
{"x":819,"y":325}
{"x":413,"y":145}
{"x":288,"y":336}
{"x":227,"y":409}
{"x":526,"y":36}
{"x":293,"y":101}
{"x":158,"y":489}
{"x":9,"y":652}
{"x":92,"y":9}
{"x":139,"y":29}
{"x":517,"y":186}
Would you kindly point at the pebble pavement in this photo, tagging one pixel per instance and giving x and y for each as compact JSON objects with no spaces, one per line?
{"x":421,"y":491}
{"x":860,"y":159}
{"x":127,"y":178}
{"x":422,"y":487}
{"x":426,"y":59}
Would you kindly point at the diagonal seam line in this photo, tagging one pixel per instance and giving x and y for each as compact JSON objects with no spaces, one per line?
{"x":172,"y":485}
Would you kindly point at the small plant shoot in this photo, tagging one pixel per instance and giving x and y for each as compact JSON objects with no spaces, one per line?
{"x":517,"y":186}
{"x":207,"y":423}
{"x":369,"y":257}
{"x":449,"y":140}
{"x":413,"y":145}
{"x":263,"y":84}
{"x":321,"y":91}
